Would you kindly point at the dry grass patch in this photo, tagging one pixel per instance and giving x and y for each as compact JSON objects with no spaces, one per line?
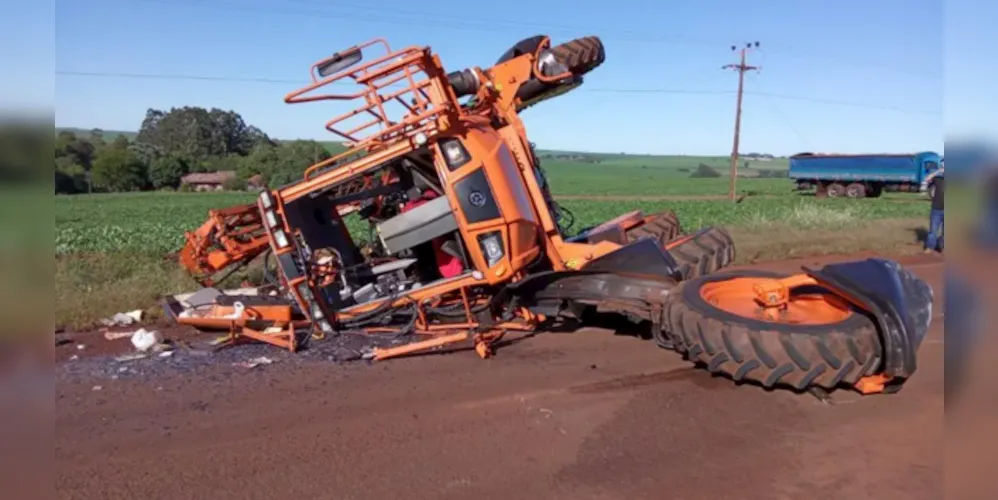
{"x":94,"y":286}
{"x":774,"y":240}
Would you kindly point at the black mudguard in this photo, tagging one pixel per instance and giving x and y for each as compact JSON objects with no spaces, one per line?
{"x":634,"y":279}
{"x":641,"y":257}
{"x":900,"y":303}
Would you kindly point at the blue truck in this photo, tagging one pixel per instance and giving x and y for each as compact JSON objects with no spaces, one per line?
{"x":865,"y":176}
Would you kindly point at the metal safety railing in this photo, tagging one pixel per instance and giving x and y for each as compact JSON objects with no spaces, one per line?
{"x":411,"y":79}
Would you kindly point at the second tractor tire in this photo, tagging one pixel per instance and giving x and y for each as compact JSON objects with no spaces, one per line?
{"x":704,"y":252}
{"x":581,"y":55}
{"x":769,"y":353}
{"x":661,"y":227}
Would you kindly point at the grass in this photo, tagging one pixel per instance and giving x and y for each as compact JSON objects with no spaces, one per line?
{"x":110,"y":248}
{"x":90,"y":286}
{"x":662,"y":178}
{"x":775,"y":240}
{"x":793,"y":211}
{"x":146,"y":222}
{"x":156,"y":222}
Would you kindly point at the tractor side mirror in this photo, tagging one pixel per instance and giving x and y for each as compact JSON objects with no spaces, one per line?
{"x":339,"y":62}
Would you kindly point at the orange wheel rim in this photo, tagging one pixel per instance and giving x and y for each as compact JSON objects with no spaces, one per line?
{"x":737,"y":296}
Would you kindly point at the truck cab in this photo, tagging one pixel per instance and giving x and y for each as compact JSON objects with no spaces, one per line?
{"x":932,"y":171}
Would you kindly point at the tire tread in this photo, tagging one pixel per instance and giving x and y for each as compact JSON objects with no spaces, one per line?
{"x":773,"y":357}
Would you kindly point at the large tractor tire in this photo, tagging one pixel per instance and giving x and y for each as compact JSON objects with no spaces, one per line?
{"x":704,"y":252}
{"x":821,"y":341}
{"x":662,"y":227}
{"x":579,"y":56}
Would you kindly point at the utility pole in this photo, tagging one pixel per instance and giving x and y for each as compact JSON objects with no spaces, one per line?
{"x":741,"y":67}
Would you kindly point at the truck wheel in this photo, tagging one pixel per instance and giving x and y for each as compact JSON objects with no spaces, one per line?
{"x":820,"y":341}
{"x":856,"y":190}
{"x":877,"y":191}
{"x":661,"y":227}
{"x":835,"y":190}
{"x":706,"y":251}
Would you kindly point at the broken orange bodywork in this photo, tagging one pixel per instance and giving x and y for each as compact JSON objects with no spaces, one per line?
{"x":230,"y":236}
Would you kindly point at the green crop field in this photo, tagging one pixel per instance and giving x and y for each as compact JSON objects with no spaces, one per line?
{"x":110,"y":247}
{"x":583,"y":179}
{"x":156,"y":222}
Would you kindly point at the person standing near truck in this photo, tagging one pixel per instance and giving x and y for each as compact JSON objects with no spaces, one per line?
{"x":987,"y":226}
{"x":934,"y":240}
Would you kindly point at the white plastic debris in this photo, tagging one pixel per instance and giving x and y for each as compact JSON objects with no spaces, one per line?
{"x":237,"y":311}
{"x":123,"y":319}
{"x":143,"y":339}
{"x":255,"y":362}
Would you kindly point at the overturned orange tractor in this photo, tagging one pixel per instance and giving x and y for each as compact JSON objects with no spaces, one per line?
{"x":464,"y":241}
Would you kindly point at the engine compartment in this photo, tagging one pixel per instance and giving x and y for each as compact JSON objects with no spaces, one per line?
{"x":411,"y":239}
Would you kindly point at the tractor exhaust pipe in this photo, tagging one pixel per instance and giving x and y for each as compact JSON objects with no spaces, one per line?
{"x":464,"y":82}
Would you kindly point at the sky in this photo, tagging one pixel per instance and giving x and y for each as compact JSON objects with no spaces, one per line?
{"x":848,"y":76}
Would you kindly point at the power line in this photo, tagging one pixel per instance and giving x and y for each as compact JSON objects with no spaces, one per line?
{"x":284,"y":81}
{"x":377,"y":16}
{"x":237,"y":79}
{"x":790,"y":124}
{"x":845,"y":103}
{"x":155,"y":76}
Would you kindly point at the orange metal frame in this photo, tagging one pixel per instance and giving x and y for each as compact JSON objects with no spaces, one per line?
{"x":431,"y":109}
{"x":435,"y":111}
{"x":424,"y":84}
{"x":230,"y":235}
{"x":281,"y":331}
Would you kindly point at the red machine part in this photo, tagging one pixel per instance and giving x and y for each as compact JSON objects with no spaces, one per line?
{"x":449,"y":265}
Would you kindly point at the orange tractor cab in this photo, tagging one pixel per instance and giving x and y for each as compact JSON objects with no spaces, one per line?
{"x":454,"y":237}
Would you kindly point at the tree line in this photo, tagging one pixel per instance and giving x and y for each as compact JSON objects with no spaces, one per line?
{"x":171,"y":144}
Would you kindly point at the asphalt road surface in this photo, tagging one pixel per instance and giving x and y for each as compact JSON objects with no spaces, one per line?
{"x":584,"y":415}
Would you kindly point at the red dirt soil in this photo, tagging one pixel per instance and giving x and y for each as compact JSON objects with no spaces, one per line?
{"x":586,"y":415}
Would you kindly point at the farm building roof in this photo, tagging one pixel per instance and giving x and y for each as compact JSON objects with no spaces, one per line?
{"x":209,"y":177}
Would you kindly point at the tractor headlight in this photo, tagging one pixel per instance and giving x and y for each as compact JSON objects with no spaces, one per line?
{"x":266,"y":200}
{"x":492,"y":247}
{"x":281,"y":238}
{"x":454,"y":153}
{"x":271,"y":219}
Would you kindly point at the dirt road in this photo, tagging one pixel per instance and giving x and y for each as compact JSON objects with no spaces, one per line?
{"x":587,"y":415}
